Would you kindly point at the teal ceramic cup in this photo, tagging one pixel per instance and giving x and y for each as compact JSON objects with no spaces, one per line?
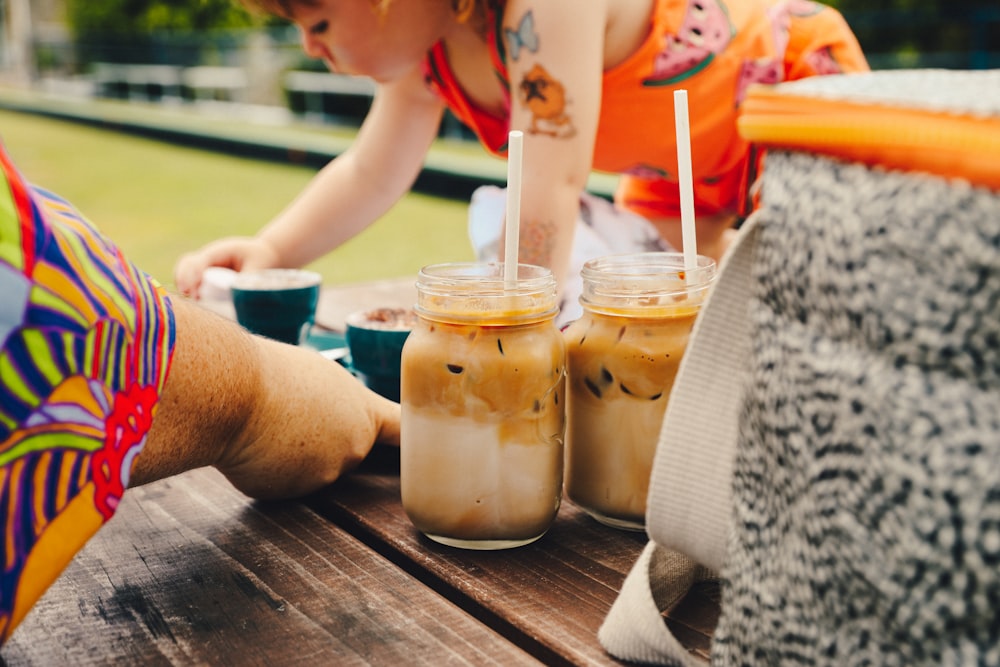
{"x":375,"y":339}
{"x":277,"y":303}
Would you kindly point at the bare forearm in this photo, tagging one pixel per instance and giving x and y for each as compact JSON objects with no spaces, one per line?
{"x":357,"y":188}
{"x":336,"y":205}
{"x":312,"y":423}
{"x":277,"y":420}
{"x":208,"y":396}
{"x":548,"y":221}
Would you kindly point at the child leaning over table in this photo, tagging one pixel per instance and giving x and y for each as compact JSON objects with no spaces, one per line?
{"x":591,"y":86}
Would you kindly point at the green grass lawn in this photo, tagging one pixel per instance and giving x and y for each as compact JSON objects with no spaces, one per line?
{"x":157,"y":201}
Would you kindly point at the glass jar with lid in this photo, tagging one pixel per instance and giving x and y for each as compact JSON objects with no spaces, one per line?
{"x":622,"y":356}
{"x":483,"y":406}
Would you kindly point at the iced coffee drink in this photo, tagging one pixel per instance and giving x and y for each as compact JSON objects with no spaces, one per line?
{"x":483,"y":394}
{"x":622,"y":357}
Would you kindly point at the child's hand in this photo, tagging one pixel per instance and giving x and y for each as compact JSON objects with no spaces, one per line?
{"x":237,"y":253}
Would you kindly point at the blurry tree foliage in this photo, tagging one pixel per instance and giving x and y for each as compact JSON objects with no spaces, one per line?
{"x":961,"y":33}
{"x":132,"y":17}
{"x":177,"y":32}
{"x":967,"y":29}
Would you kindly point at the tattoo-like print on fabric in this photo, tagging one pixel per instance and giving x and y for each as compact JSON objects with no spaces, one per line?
{"x":705,"y":33}
{"x":772,"y":70}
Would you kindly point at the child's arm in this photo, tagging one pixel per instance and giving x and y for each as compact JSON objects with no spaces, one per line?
{"x":358,"y":187}
{"x":555,"y":65}
{"x":346,"y":196}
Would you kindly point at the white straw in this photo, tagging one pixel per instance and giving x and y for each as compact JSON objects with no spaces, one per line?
{"x":688,"y":240}
{"x":514,"y":142}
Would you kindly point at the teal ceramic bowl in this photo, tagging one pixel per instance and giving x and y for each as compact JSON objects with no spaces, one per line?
{"x":277,"y":303}
{"x":375,"y":339}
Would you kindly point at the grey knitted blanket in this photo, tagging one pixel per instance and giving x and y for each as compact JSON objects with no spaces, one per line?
{"x":866,"y":485}
{"x":832,"y":443}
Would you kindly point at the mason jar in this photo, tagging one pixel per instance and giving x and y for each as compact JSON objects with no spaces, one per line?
{"x":483,"y":406}
{"x":622,"y":356}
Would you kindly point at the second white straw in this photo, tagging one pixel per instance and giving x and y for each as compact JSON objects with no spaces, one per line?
{"x":684,"y":178}
{"x":514,"y":142}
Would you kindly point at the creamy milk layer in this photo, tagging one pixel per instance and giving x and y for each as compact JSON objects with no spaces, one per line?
{"x":504,"y":490}
{"x":620,"y":372}
{"x":483,"y":425}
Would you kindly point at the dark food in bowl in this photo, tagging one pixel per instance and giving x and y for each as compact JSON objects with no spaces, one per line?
{"x":395,"y":319}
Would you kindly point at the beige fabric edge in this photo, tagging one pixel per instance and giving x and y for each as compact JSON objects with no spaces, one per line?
{"x":634,"y":630}
{"x":690,"y":494}
{"x":689,"y":504}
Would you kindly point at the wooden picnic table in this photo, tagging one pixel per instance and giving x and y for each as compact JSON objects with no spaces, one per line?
{"x":191,"y":571}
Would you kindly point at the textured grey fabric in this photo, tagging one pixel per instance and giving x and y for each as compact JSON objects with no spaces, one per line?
{"x":867,"y":477}
{"x":961,"y":92}
{"x":864,"y":473}
{"x":689,"y":506}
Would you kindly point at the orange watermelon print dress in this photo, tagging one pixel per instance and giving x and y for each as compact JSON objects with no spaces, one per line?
{"x":715,"y":49}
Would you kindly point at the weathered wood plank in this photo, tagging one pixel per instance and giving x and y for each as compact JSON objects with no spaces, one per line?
{"x":192,"y":572}
{"x":549,"y":597}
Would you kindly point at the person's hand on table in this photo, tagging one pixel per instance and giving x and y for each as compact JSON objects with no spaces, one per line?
{"x":239,"y":253}
{"x":277,"y":420}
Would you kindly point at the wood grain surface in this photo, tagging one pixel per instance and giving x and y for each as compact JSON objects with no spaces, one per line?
{"x":191,"y":572}
{"x":549,"y":597}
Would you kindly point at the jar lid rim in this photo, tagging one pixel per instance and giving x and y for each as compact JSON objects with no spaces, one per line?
{"x":485,"y":279}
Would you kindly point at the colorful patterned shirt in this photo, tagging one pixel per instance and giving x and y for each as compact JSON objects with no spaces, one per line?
{"x":85,"y":346}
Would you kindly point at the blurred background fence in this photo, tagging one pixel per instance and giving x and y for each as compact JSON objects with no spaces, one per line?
{"x":211,"y":52}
